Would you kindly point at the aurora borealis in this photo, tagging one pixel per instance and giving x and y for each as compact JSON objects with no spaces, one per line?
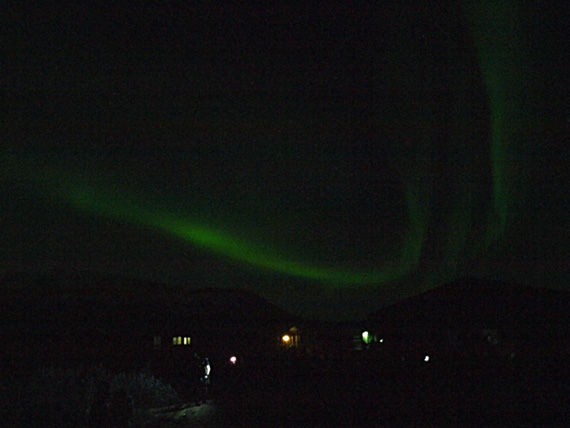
{"x":353,"y":152}
{"x":496,"y":31}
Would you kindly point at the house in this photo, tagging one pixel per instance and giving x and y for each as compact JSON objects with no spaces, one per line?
{"x":473,"y":319}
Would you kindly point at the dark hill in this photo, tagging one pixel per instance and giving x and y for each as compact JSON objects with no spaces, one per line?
{"x":92,"y":314}
{"x":479,"y":303}
{"x":114,"y":291}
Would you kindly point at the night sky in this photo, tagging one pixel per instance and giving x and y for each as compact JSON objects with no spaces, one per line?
{"x":330,"y":156}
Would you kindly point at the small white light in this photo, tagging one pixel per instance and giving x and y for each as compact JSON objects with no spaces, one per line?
{"x":381,"y":341}
{"x":233,"y":359}
{"x":426,"y":358}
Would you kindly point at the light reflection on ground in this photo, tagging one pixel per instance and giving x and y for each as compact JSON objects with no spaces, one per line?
{"x":187,"y":415}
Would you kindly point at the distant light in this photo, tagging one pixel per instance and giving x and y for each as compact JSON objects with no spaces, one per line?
{"x":426,"y":358}
{"x":381,"y":341}
{"x":286,"y":338}
{"x":233,"y":359}
{"x":366,"y":337}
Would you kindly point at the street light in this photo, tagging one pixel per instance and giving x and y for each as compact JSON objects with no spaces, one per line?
{"x":366,"y":337}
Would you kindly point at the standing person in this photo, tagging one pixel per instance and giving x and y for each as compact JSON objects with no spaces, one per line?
{"x":206,"y":378}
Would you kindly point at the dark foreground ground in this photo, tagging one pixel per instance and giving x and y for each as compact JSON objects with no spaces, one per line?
{"x":312,"y":393}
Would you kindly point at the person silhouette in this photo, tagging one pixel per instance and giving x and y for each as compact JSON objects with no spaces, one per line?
{"x":207,"y":368}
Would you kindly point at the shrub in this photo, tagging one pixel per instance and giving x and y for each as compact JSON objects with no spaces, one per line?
{"x":145,"y":391}
{"x":59,"y":396}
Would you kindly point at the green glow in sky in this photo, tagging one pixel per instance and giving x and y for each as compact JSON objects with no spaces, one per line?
{"x":129,"y":210}
{"x":495,"y":28}
{"x":412,"y":248}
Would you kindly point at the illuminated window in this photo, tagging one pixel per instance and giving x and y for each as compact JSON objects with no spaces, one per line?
{"x":179,"y":340}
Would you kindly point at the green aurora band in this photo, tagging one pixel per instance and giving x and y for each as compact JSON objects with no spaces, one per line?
{"x":498,"y":48}
{"x":495,"y":28}
{"x":103,"y":204}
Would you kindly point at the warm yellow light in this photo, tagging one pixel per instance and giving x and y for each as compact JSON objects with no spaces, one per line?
{"x":286,"y":338}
